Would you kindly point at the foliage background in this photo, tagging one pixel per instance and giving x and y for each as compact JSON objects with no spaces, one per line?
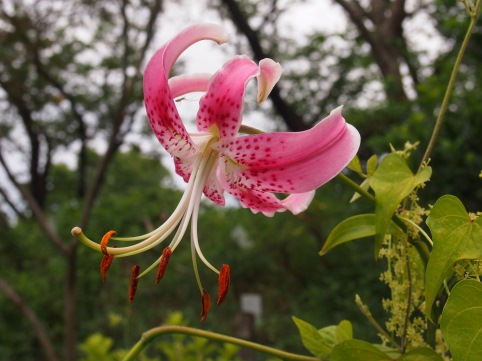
{"x":75,"y":150}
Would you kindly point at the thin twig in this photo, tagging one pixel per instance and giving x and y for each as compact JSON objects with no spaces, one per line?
{"x":409,"y":302}
{"x":453,"y":75}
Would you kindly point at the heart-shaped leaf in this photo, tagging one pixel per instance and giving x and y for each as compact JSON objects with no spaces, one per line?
{"x":392,"y":182}
{"x":461,"y":323}
{"x":455,"y":237}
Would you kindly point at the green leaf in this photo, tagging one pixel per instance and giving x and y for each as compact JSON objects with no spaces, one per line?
{"x":355,"y":165}
{"x":455,"y":237}
{"x":343,"y":332}
{"x":356,"y":227}
{"x":421,"y":354}
{"x":321,"y":342}
{"x":372,"y":165}
{"x":392,"y":182}
{"x":318,"y":344}
{"x":461,"y":323}
{"x":356,"y":350}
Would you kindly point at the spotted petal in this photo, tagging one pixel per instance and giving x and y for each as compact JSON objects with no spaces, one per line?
{"x":179,"y":86}
{"x":160,"y":107}
{"x":222,"y":105}
{"x":289,"y":162}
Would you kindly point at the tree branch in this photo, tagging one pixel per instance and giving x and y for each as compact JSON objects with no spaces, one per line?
{"x":37,"y":211}
{"x":11,"y":204}
{"x":293,"y":120}
{"x":383,"y":41}
{"x":32,"y":318}
{"x":114,"y":140}
{"x":74,"y":108}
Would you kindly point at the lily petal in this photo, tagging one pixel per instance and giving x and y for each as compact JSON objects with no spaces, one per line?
{"x":222,"y":105}
{"x":188,"y":83}
{"x":159,"y":102}
{"x":269,"y":74}
{"x":290,"y":162}
{"x":298,"y":202}
{"x":264,"y":202}
{"x":179,"y":86}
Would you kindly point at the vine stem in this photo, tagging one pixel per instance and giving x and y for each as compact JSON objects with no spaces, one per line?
{"x":473,"y":13}
{"x":151,"y":334}
{"x":366,"y":311}
{"x":355,"y":187}
{"x":422,"y":251}
{"x":369,"y":197}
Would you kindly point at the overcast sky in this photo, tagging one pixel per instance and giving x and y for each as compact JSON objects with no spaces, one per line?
{"x":301,"y":20}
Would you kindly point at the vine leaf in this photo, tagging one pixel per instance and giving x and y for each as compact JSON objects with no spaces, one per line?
{"x":321,"y":342}
{"x":455,"y":237}
{"x":421,"y":354}
{"x":392,"y":182}
{"x":461,"y":323}
{"x":357,"y":350}
{"x":356,"y":227}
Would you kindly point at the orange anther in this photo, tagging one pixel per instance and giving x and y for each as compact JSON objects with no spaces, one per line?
{"x":105,"y":240}
{"x":105,"y":264}
{"x":166,"y":254}
{"x":134,"y":282}
{"x":224,"y":277}
{"x":205,"y":304}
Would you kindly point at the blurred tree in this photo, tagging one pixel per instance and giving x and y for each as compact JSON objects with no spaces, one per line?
{"x":70,"y":80}
{"x":69,"y":76}
{"x":391,"y":87}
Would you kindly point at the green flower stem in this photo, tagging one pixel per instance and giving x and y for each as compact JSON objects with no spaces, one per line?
{"x":148,"y":336}
{"x":473,"y":13}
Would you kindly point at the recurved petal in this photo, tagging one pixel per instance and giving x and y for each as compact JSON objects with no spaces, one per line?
{"x":298,"y":202}
{"x":160,"y":107}
{"x":290,"y":162}
{"x":222,"y":105}
{"x":188,"y":83}
{"x":269,"y":74}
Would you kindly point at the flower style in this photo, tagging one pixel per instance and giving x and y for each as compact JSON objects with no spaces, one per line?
{"x":226,"y":156}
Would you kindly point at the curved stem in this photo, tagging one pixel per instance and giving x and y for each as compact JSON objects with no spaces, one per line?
{"x":423,"y":251}
{"x":148,"y":336}
{"x":356,"y":187}
{"x":366,"y":311}
{"x":420,"y":229}
{"x":369,"y":197}
{"x":445,"y":102}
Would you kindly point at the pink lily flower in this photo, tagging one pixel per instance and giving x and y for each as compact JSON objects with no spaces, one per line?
{"x":226,"y":156}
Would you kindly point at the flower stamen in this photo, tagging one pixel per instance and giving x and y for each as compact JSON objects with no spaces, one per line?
{"x":105,"y":240}
{"x":223,"y":280}
{"x":134,"y":282}
{"x":105,"y":264}
{"x":205,"y":304}
{"x":166,"y":254}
